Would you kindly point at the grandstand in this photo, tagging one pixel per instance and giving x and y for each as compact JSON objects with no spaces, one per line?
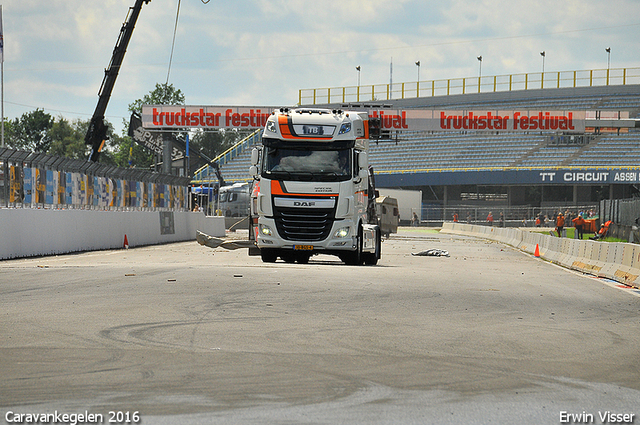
{"x":507,"y":169}
{"x":439,"y":163}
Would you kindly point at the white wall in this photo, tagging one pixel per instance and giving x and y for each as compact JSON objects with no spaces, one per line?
{"x":26,"y":232}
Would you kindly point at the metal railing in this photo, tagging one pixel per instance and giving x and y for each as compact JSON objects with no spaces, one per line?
{"x":34,"y":180}
{"x":514,"y":216}
{"x":469,"y":85}
{"x":206,"y":173}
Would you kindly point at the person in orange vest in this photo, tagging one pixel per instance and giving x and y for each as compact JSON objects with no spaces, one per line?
{"x":559,"y":224}
{"x":579,"y":224}
{"x":490,"y":218}
{"x":604,"y":228}
{"x":455,"y":217}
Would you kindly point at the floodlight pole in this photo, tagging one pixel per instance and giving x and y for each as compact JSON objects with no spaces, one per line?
{"x":479,"y":72}
{"x":608,"y":50}
{"x":543,"y":54}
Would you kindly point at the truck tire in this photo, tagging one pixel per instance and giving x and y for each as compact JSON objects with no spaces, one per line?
{"x":288,"y":258}
{"x":371,"y":258}
{"x":303,"y":258}
{"x":354,"y":258}
{"x":268,"y":256}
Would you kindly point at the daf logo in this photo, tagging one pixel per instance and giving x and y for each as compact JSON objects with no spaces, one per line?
{"x":304,"y":203}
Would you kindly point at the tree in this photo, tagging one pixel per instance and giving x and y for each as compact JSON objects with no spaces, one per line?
{"x":163,"y":94}
{"x":9,"y":133}
{"x":213,"y":143}
{"x":31,"y":131}
{"x":130,"y":153}
{"x":68,"y":139}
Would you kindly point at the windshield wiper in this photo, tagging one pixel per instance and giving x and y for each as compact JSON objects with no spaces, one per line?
{"x":280,"y":173}
{"x":330,"y":175}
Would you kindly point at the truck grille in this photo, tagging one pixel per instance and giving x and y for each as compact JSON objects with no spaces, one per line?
{"x":304,"y":224}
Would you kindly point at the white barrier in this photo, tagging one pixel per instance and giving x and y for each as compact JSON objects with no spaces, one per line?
{"x":628,"y":271}
{"x":614,"y":257}
{"x":617,"y":261}
{"x":26,"y":232}
{"x":553,"y":250}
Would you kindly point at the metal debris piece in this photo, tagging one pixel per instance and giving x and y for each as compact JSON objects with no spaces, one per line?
{"x":431,"y":253}
{"x":212,"y":242}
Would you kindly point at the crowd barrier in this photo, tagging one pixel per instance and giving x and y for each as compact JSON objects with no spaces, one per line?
{"x":613,"y":260}
{"x":28,"y":232}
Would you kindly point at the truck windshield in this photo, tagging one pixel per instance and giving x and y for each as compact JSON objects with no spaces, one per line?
{"x":304,"y":164}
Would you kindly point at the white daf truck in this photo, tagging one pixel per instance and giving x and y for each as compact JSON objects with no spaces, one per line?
{"x":315,"y":192}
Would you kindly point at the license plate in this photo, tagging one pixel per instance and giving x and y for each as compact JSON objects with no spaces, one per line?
{"x":303,"y":247}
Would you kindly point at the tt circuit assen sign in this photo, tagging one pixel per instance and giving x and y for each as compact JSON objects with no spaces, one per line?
{"x":511,"y":177}
{"x":165,"y":117}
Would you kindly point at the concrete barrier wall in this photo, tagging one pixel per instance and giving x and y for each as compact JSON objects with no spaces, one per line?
{"x":613,"y":260}
{"x":26,"y":232}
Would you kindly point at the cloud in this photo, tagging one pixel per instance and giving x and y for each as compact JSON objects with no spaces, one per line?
{"x":263,"y":51}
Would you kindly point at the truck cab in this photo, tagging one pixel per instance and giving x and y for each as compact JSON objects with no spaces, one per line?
{"x":233,"y":200}
{"x":316,"y":193}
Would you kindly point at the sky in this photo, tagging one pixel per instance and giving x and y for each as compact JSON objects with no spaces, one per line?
{"x":261,"y":52}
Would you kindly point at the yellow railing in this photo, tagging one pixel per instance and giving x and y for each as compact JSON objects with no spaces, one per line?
{"x":468,"y":85}
{"x":205,"y":173}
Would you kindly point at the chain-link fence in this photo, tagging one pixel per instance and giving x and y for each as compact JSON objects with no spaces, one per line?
{"x":623,"y":212}
{"x":515,"y":216}
{"x":33,"y":180}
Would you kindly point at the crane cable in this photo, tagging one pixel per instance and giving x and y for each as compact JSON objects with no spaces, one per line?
{"x":173,"y":43}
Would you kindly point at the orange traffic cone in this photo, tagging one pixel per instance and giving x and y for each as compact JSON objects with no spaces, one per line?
{"x":535,"y":254}
{"x":126,"y":242}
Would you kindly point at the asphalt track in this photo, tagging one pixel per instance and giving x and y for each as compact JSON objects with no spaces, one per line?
{"x":187,"y":334}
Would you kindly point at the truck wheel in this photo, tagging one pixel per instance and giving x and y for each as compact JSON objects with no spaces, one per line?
{"x":288,"y":258}
{"x":354,"y":258}
{"x":371,"y":258}
{"x":303,"y":259}
{"x":268,"y":256}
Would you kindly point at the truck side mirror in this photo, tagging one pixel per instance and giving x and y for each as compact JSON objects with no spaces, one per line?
{"x":363,"y":165}
{"x":255,"y":156}
{"x":253,"y":171}
{"x":374,"y":128}
{"x":363,"y":161}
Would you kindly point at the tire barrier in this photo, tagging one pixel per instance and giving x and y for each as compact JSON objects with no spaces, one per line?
{"x":617,"y":261}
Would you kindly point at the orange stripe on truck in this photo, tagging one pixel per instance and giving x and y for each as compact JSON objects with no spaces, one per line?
{"x":277,"y":189}
{"x":285,"y":130}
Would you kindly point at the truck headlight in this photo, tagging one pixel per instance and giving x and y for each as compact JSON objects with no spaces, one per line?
{"x":271,"y":126}
{"x":265,"y":230}
{"x":341,"y":233}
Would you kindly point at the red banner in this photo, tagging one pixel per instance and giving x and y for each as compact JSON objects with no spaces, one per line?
{"x":163,"y":117}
